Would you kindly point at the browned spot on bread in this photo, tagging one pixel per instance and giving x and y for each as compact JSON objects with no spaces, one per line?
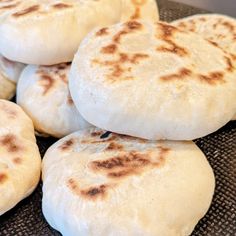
{"x":133,"y":25}
{"x":26,"y":11}
{"x":101,"y":32}
{"x":110,"y":49}
{"x":131,"y":163}
{"x":182,"y":25}
{"x":11,"y":113}
{"x":137,"y":57}
{"x":70,"y":100}
{"x":10,"y":6}
{"x":46,"y":82}
{"x":61,"y":5}
{"x":173,"y":48}
{"x":64,"y":78}
{"x":114,"y":146}
{"x":137,"y":14}
{"x":96,"y":133}
{"x":118,"y":36}
{"x":229,"y":26}
{"x":202,"y":19}
{"x":117,"y":66}
{"x":128,"y":27}
{"x":66,"y":145}
{"x":183,"y":73}
{"x":3,"y":178}
{"x":230,"y":66}
{"x":93,"y":193}
{"x":139,"y":2}
{"x":213,"y":43}
{"x":17,"y":160}
{"x":213,"y":78}
{"x":9,"y":141}
{"x":167,"y":30}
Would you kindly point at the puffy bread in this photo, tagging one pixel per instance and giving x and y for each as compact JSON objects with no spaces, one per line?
{"x":43,"y":93}
{"x":20,"y":161}
{"x":124,"y":186}
{"x":154,"y":81}
{"x":9,"y":74}
{"x":10,"y":69}
{"x":139,"y":9}
{"x":7,"y":88}
{"x":219,"y":29}
{"x":49,"y":32}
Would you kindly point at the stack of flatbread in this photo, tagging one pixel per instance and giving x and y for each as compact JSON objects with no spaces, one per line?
{"x":149,"y":87}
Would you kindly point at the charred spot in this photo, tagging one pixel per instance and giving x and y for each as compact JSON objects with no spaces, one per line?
{"x":3,"y":178}
{"x":110,"y":49}
{"x":184,"y":72}
{"x":61,"y":6}
{"x":114,"y":146}
{"x":127,"y":160}
{"x":62,"y":66}
{"x":67,"y":144}
{"x":27,"y":10}
{"x":230,"y":66}
{"x":101,"y":32}
{"x":94,"y":192}
{"x":46,"y":82}
{"x":105,"y":135}
{"x":213,"y":78}
{"x":9,"y":141}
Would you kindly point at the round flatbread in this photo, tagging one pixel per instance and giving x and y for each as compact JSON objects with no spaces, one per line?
{"x":43,"y":93}
{"x":49,"y":32}
{"x":152,"y":80}
{"x":96,"y":183}
{"x":219,"y":29}
{"x":139,"y":9}
{"x":9,"y":74}
{"x":20,"y":161}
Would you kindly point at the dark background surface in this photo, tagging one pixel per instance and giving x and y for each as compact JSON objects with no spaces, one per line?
{"x":220,"y":148}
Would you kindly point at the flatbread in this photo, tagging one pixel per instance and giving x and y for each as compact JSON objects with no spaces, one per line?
{"x":9,"y":74}
{"x":43,"y":93}
{"x":20,"y":161}
{"x":96,"y":183}
{"x":219,"y":29}
{"x":139,"y":9}
{"x":49,"y":32}
{"x":154,"y":81}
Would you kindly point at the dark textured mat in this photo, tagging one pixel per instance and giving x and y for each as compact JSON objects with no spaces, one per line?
{"x":220,"y":148}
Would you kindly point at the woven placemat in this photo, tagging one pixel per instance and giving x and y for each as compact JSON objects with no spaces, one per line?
{"x":26,"y":218}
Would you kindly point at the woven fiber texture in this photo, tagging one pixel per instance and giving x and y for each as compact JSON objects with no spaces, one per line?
{"x":26,"y":219}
